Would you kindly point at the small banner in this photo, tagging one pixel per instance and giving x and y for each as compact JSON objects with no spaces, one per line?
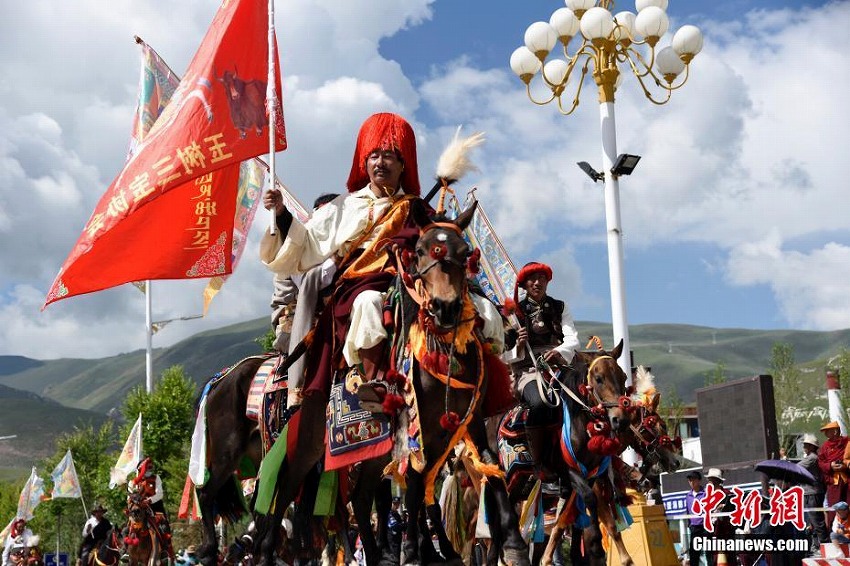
{"x":31,"y":495}
{"x":65,"y":480}
{"x":130,"y":456}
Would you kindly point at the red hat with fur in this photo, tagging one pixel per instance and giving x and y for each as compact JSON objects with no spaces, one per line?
{"x":385,"y":131}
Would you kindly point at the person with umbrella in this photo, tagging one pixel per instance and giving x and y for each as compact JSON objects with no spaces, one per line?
{"x":813,"y":494}
{"x":833,"y":465}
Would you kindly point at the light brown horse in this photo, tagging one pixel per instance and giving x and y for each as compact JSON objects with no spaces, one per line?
{"x":647,"y":435}
{"x":142,"y":544}
{"x":592,"y":393}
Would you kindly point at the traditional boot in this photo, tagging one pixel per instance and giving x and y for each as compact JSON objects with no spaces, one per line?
{"x":372,"y":391}
{"x":539,"y":440}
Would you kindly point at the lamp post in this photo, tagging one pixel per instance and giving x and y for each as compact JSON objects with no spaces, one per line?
{"x":151,"y":329}
{"x":607,"y":43}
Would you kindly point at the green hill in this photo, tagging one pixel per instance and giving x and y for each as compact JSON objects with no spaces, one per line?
{"x":102,"y":384}
{"x":681,"y":356}
{"x":35,"y":423}
{"x":51,"y":396}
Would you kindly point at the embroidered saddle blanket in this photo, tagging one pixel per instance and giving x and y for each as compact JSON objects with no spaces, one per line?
{"x":353,"y":434}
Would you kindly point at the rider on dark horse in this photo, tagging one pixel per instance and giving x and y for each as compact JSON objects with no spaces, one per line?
{"x":148,"y":484}
{"x":547,"y":328}
{"x":355,"y":229}
{"x":95,"y":531}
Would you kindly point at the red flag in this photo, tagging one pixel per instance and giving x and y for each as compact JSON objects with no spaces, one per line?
{"x":164,"y":216}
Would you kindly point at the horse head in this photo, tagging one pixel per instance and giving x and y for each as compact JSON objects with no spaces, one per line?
{"x":440,"y":264}
{"x":137,"y":510}
{"x":606,"y":385}
{"x":108,"y":552}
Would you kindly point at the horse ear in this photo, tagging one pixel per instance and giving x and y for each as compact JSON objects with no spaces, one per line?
{"x":618,"y":351}
{"x":653,"y":404}
{"x":465,"y":217}
{"x":419,"y":213}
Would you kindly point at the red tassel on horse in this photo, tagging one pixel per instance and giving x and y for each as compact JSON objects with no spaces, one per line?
{"x":396,"y":378}
{"x":472,"y":262}
{"x":450,"y":421}
{"x":499,"y":396}
{"x":508,"y":307}
{"x":392,"y":403}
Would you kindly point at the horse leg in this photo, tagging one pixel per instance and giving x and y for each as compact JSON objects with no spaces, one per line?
{"x":514,"y":548}
{"x":592,"y":535}
{"x":309,"y":449}
{"x":361,"y":500}
{"x":446,"y":548}
{"x":605,"y":496}
{"x":383,"y":504}
{"x":416,"y":527}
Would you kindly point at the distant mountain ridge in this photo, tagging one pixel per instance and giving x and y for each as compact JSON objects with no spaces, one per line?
{"x":40,"y":399}
{"x":681,"y":356}
{"x":34,"y":423}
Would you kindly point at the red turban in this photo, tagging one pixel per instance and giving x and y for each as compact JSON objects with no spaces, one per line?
{"x":527,"y":271}
{"x":385,"y":131}
{"x":530,"y":269}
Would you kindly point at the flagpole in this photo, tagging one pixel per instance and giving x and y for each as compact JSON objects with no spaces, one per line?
{"x":271,"y":101}
{"x":148,"y":340}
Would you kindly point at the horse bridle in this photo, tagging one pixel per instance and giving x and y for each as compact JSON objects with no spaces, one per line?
{"x":649,"y":439}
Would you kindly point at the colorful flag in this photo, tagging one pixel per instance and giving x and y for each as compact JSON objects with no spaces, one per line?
{"x":65,"y":480}
{"x":166,"y":215}
{"x":31,"y":496}
{"x":130,"y":456}
{"x":497,"y":275}
{"x":156,"y":86}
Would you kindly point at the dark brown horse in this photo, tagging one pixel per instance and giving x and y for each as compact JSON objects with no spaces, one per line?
{"x":107,"y":552}
{"x":447,"y":413}
{"x":231,"y":437}
{"x":446,"y":395}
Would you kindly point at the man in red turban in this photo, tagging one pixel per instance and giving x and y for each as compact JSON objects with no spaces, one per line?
{"x":833,"y":467}
{"x":382,"y":185}
{"x":549,"y":332}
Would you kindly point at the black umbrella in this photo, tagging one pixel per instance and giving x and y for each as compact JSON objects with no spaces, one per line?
{"x":785,"y":470}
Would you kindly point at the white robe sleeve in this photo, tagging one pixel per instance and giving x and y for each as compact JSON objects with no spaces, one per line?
{"x":494,"y":329}
{"x":570,"y":344}
{"x":328,"y":231}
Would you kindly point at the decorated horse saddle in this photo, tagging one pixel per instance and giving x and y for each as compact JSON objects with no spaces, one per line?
{"x":267,"y":399}
{"x":514,"y":455}
{"x":354,"y":434}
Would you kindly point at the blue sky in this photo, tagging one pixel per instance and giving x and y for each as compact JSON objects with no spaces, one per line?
{"x":735,"y":217}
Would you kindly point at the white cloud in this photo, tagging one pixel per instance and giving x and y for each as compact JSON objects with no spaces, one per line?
{"x":752,"y":146}
{"x":750,"y":151}
{"x":810,"y":286}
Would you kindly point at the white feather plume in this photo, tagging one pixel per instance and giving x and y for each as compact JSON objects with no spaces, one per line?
{"x":454,"y":162}
{"x":644,"y":380}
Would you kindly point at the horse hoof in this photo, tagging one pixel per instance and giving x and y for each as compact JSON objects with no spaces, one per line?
{"x":515,"y":557}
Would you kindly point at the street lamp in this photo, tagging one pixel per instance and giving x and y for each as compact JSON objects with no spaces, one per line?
{"x":607,"y":42}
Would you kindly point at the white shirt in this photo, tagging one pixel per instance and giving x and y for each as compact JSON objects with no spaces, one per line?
{"x":330,"y":232}
{"x":89,"y":526}
{"x":26,"y":538}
